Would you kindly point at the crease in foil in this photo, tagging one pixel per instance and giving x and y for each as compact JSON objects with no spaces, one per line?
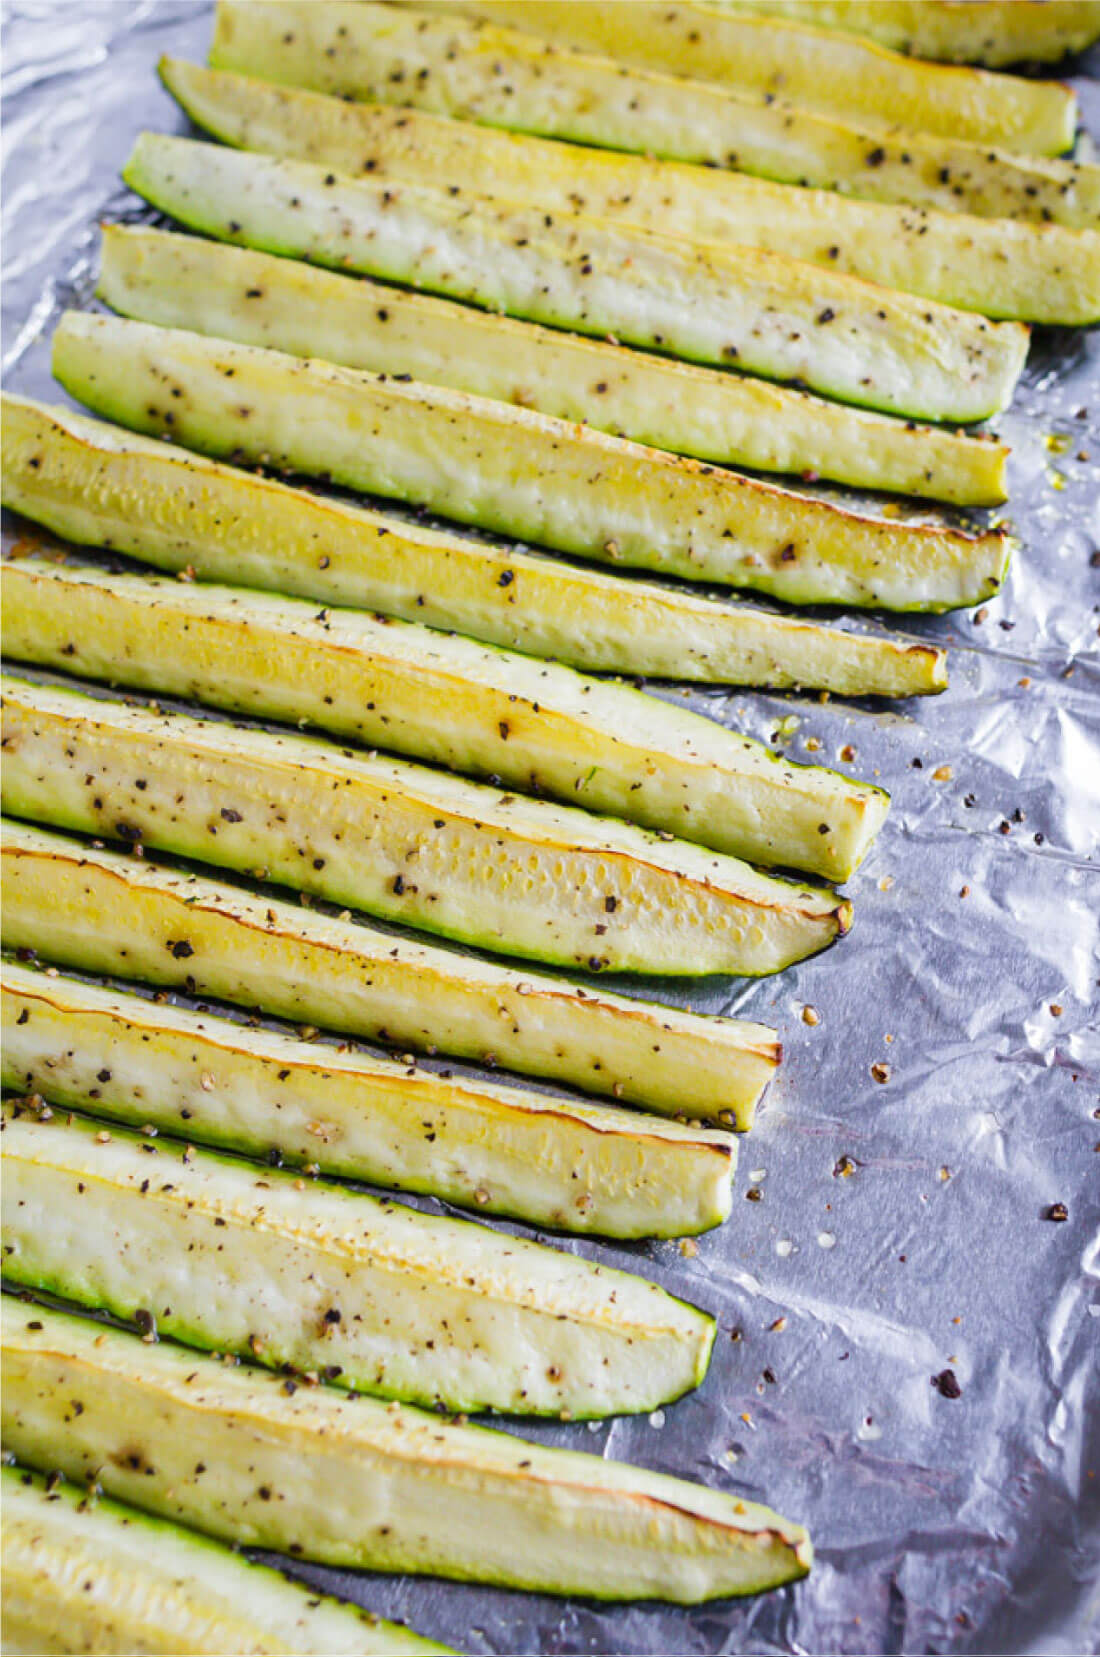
{"x":900,"y":1229}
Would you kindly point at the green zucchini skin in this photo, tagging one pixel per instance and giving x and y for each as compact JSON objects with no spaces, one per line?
{"x":97,"y":1575}
{"x":549,"y":1160}
{"x":99,"y":911}
{"x":994,"y":33}
{"x":515,"y":471}
{"x":355,"y":1482}
{"x":815,"y":69}
{"x":720,"y":305}
{"x":447,"y":66}
{"x":156,"y":276}
{"x":531,"y":725}
{"x":499,"y":871}
{"x":1031,"y":269}
{"x":226,"y":1255}
{"x":179,"y":511}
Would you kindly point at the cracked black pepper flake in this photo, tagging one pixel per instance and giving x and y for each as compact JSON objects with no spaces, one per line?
{"x":1057,"y":1211}
{"x":946,"y":1384}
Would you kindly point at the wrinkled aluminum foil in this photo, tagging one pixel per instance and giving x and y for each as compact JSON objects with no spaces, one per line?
{"x":898,"y":1227}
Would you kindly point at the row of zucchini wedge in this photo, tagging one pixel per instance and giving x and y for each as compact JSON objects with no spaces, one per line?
{"x":280,"y":1463}
{"x":750,"y":52}
{"x":285,"y":1298}
{"x":101,"y":911}
{"x":199,"y":518}
{"x":514,"y":471}
{"x":234,"y":1257}
{"x":548,"y":1159}
{"x":712,"y":303}
{"x":992,"y":133}
{"x":257,"y":298}
{"x":1007,"y":267}
{"x":501,"y":871}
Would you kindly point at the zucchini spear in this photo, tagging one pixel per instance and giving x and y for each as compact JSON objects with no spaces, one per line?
{"x":99,"y":911}
{"x":532,"y":725}
{"x":95,"y":1575}
{"x":809,"y":67}
{"x":502,"y":78}
{"x":524,"y":877}
{"x":257,"y":299}
{"x":1037,"y":272}
{"x":989,"y":32}
{"x":515,"y":471}
{"x":719,"y":305}
{"x":269,"y":1463}
{"x":229,"y":1256}
{"x":179,"y":511}
{"x":547,"y":1159}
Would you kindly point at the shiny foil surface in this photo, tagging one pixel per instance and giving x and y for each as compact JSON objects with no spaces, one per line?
{"x":895,"y":1228}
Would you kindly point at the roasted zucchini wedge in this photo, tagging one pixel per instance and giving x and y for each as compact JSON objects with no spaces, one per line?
{"x":531,"y":725}
{"x":90,"y":1574}
{"x":548,"y":1159}
{"x":1037,"y":272}
{"x":179,"y":511}
{"x":989,"y":32}
{"x":810,"y":67}
{"x":230,"y":1256}
{"x":727,"y":305}
{"x":305,"y":1470}
{"x":502,"y":78}
{"x":515,"y":471}
{"x":524,"y":877}
{"x":102,"y":912}
{"x":192,"y":282}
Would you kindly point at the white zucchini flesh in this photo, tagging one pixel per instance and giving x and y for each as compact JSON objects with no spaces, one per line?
{"x":99,"y":911}
{"x":806,"y":66}
{"x":178,"y":511}
{"x":226,"y":1255}
{"x":550,"y":1160}
{"x":727,"y":305}
{"x":989,"y":32}
{"x":515,"y":471}
{"x":532,"y":725}
{"x":1033,"y":272}
{"x":524,"y":877}
{"x":448,"y":65}
{"x":259,"y":299}
{"x":352,"y":1481}
{"x":86,"y":1574}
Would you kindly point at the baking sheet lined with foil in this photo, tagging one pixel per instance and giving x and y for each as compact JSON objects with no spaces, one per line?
{"x":940,"y":1092}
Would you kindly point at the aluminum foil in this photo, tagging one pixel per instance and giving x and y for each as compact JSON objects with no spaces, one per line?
{"x":897,"y":1228}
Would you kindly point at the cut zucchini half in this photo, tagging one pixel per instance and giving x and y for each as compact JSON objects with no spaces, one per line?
{"x":272,"y":1463}
{"x":178,"y":511}
{"x":99,"y":911}
{"x":726,"y":305}
{"x":531,"y":725}
{"x":514,"y":471}
{"x":84,"y":1574}
{"x":811,"y":68}
{"x":1032,"y":272}
{"x":229,"y":1256}
{"x":502,"y":78}
{"x":547,"y":1159}
{"x":258,"y":299}
{"x":989,"y":32}
{"x":502,"y":872}
{"x":402,"y":841}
